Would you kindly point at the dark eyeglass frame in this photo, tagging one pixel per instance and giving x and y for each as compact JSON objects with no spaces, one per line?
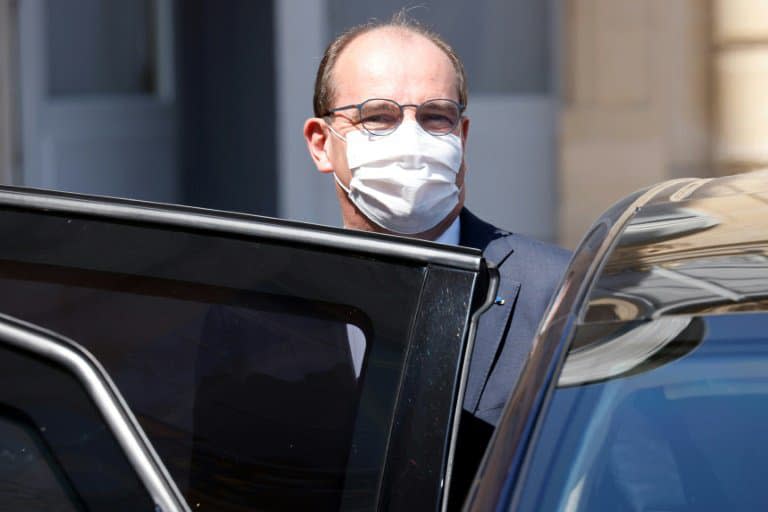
{"x":380,"y":133}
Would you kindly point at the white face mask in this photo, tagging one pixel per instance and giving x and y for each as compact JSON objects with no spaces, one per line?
{"x":405,"y":181}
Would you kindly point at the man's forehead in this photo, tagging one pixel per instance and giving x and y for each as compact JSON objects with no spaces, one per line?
{"x":383,"y":35}
{"x":389,"y":60}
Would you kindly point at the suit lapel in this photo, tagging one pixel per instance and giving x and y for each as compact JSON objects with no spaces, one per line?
{"x":494,"y":322}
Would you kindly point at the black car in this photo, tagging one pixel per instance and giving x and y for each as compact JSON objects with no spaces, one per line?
{"x":170,"y":358}
{"x":647,"y":388}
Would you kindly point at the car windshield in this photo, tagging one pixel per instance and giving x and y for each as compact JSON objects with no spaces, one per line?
{"x":683,"y":430}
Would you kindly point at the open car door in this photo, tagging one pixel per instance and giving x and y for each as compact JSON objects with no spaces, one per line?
{"x":271,"y":365}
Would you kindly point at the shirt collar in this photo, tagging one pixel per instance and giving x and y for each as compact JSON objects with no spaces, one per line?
{"x":451,"y":235}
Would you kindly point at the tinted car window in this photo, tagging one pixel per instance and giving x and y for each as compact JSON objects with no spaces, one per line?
{"x":685,"y":431}
{"x":30,"y":477}
{"x":258,"y":387}
{"x":56,"y":452}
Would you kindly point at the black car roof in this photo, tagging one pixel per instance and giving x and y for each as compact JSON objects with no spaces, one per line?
{"x":690,"y":246}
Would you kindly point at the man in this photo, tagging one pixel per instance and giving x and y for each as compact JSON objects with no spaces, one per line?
{"x":389,"y":128}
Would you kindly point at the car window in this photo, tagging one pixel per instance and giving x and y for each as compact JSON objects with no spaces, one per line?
{"x":56,"y":451}
{"x":683,"y":430}
{"x":265,"y":373}
{"x":31,"y":477}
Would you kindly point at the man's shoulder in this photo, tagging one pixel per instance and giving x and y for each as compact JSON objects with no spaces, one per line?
{"x":531,"y":250}
{"x":529,"y":273}
{"x":511,"y":250}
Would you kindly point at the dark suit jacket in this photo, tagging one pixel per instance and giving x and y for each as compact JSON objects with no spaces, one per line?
{"x":529,"y":274}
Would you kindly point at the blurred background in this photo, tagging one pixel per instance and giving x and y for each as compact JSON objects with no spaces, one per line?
{"x":573,"y":103}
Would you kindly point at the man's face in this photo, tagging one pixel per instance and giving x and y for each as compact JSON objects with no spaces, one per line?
{"x":391,"y":64}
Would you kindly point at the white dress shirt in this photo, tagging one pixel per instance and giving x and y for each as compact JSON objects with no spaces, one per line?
{"x":451,"y":235}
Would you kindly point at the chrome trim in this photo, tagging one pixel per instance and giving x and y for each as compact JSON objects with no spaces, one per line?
{"x":490,"y":299}
{"x":243,"y":224}
{"x":612,"y":238}
{"x":108,"y":400}
{"x":685,"y":192}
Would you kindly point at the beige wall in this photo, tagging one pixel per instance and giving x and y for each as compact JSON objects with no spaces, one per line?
{"x":637,"y":105}
{"x":740,"y":74}
{"x":8,"y":116}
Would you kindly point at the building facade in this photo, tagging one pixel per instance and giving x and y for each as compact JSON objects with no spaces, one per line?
{"x":573,"y":103}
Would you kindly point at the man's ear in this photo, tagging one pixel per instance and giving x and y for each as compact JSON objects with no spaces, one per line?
{"x":464,"y":132}
{"x":316,"y":134}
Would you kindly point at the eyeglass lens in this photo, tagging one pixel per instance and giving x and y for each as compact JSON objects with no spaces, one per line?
{"x":438,"y":117}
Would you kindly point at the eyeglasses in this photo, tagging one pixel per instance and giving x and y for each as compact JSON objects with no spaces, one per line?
{"x":381,"y":116}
